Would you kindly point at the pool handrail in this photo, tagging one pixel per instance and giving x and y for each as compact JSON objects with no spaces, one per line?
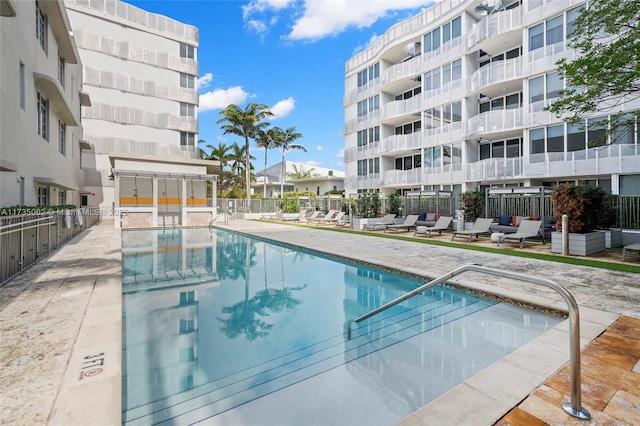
{"x":574,"y":408}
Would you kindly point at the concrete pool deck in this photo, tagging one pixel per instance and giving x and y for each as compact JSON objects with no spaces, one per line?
{"x":61,"y":327}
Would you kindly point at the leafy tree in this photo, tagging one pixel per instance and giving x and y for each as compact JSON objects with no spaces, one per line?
{"x":607,"y":72}
{"x":472,"y":203}
{"x":247,"y":124}
{"x":395,"y":202}
{"x":220,"y":153}
{"x":285,"y":141}
{"x":236,"y":158}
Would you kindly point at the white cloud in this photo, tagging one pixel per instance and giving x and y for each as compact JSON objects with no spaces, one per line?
{"x":319,"y":148}
{"x":257,"y":26}
{"x":221,"y":98}
{"x":283,"y":107}
{"x":326,"y":18}
{"x":340,"y":153}
{"x":204,"y":80}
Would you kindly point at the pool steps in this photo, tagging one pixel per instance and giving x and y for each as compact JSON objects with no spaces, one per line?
{"x":418,"y":315}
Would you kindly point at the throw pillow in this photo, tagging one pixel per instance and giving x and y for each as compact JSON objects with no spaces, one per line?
{"x":431,"y":216}
{"x":519,"y":219}
{"x":504,"y":219}
{"x":422,"y":216}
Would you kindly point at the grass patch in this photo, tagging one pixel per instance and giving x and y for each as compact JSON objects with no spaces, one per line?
{"x":592,"y":263}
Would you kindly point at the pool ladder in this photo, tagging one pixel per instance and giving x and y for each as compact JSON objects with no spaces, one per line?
{"x":574,"y":408}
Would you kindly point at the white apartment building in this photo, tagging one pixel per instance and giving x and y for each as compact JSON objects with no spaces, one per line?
{"x":41,"y":97}
{"x":141,"y":71}
{"x":454,"y":97}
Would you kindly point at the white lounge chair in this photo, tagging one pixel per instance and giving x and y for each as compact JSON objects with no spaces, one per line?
{"x":329,"y":215}
{"x":313,"y":217}
{"x":331,"y":220}
{"x":526,"y":229}
{"x":409,"y":222}
{"x":386,"y":220}
{"x":480,"y":226}
{"x":441,"y":224}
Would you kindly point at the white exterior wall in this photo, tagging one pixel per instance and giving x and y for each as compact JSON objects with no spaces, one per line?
{"x":132,"y":66}
{"x":495,"y":34}
{"x":25,"y":156}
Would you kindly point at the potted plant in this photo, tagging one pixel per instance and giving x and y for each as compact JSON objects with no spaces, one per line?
{"x":472,"y":205}
{"x":365,"y":209}
{"x":588,"y":209}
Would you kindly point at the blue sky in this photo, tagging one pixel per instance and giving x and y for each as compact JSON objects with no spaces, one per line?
{"x":288,"y":54}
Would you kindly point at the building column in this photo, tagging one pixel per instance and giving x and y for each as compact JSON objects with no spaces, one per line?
{"x":116,"y":201}
{"x":154,"y":192}
{"x":183,"y":212}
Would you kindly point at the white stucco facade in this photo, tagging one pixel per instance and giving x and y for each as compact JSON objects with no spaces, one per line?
{"x":41,"y":96}
{"x":322,"y":179}
{"x":141,"y":71}
{"x":454,"y":97}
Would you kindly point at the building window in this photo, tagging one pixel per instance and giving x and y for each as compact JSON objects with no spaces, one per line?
{"x":43,"y":116}
{"x":369,"y":74}
{"x":62,"y":197}
{"x":84,"y":200}
{"x":62,"y":138}
{"x":187,"y":110}
{"x":543,"y":89}
{"x":187,"y":51}
{"x":41,"y":27}
{"x":187,"y":81}
{"x":43,"y":198}
{"x":61,"y":70}
{"x":187,"y":297}
{"x":187,"y":139}
{"x":22,"y":85}
{"x":187,"y":326}
{"x":368,"y":105}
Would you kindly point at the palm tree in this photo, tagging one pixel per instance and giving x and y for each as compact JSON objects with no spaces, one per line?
{"x":266,"y":140}
{"x":237,"y":164}
{"x":220,"y":153}
{"x":245,"y":123}
{"x":301,"y":173}
{"x":285,"y":141}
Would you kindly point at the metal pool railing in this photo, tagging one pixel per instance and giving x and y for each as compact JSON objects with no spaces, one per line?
{"x":26,"y":238}
{"x":574,"y":408}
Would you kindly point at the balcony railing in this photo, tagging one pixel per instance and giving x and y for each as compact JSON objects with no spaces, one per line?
{"x":373,"y":87}
{"x":495,"y":73}
{"x":494,"y":169}
{"x":398,"y":143}
{"x":496,"y":23}
{"x":452,"y":90}
{"x":409,"y":106}
{"x":361,"y":123}
{"x":404,"y":69}
{"x":495,"y":121}
{"x":443,"y":134}
{"x":402,"y":177}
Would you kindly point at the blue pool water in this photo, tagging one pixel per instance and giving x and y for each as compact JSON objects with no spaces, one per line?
{"x":221,"y":329}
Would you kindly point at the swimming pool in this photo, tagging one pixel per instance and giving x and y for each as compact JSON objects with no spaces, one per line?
{"x":207,"y":338}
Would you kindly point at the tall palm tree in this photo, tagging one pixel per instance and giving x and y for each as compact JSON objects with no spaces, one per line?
{"x":266,"y":140}
{"x":285,"y":141}
{"x":237,"y":164}
{"x":222,"y":154}
{"x":245,"y":123}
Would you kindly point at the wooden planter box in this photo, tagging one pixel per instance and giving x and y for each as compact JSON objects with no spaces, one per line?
{"x":579,"y":244}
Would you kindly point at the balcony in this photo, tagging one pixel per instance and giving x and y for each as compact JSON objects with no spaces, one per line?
{"x":447,"y":174}
{"x":495,"y":169}
{"x":488,"y":123}
{"x":447,"y":52}
{"x":612,"y":159}
{"x":403,"y":70}
{"x":401,"y":144}
{"x":495,"y":28}
{"x":540,"y":9}
{"x":444,"y":94}
{"x":372,"y":88}
{"x":497,"y":73}
{"x":448,"y":133}
{"x":361,"y":152}
{"x":411,"y":177}
{"x":361,"y":123}
{"x":396,"y":112}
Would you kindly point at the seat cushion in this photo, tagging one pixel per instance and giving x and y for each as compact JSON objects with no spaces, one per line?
{"x":430,"y":216}
{"x":504,"y":220}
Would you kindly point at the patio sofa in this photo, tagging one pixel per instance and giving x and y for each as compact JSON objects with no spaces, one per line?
{"x":509,"y":224}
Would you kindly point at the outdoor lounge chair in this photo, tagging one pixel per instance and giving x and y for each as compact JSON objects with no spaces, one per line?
{"x":480,"y":226}
{"x":634,"y":246}
{"x":331,"y":220}
{"x":409,"y":222}
{"x":442,"y":224}
{"x":526,"y":229}
{"x":386,"y":220}
{"x":325,"y":217}
{"x":313,"y":217}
